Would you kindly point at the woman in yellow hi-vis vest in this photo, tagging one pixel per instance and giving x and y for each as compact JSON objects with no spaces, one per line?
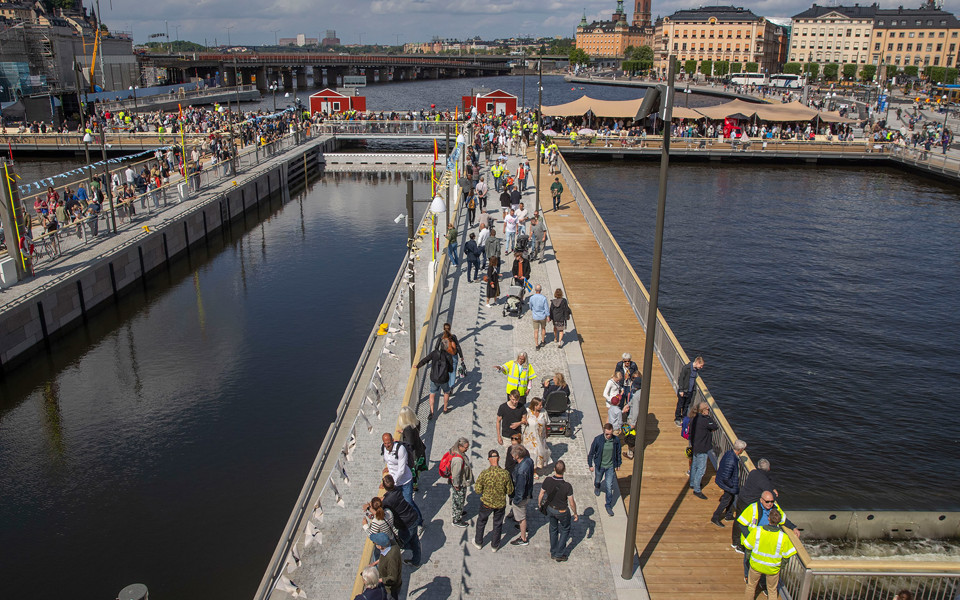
{"x":519,"y":375}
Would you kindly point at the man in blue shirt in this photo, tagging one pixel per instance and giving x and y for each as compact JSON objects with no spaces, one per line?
{"x":539,"y":308}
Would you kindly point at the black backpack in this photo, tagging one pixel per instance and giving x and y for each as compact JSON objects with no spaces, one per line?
{"x":410,"y":460}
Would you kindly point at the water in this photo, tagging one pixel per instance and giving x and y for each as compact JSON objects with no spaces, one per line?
{"x":822,"y":299}
{"x":166,"y":441}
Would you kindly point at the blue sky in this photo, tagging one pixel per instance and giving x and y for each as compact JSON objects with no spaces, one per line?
{"x":388,"y":21}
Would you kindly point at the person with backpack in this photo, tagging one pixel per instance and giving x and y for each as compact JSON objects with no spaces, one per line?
{"x":441,"y":365}
{"x":399,"y":459}
{"x":406,"y":518}
{"x":455,"y":466}
{"x":417,"y":455}
{"x":471,"y":202}
{"x":456,"y":355}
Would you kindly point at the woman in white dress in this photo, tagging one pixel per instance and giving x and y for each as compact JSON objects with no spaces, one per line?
{"x":535,"y":434}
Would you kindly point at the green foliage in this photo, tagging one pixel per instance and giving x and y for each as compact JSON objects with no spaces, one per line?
{"x":867,"y":72}
{"x":750,"y":67}
{"x":849,"y":71}
{"x":639,"y":58}
{"x":812,"y":70}
{"x":643,"y":53}
{"x":175,"y":46}
{"x":561,"y":47}
{"x":792,"y":68}
{"x":934,"y":74}
{"x":690,"y":67}
{"x":65,"y":4}
{"x":950,"y":77}
{"x":736,"y":67}
{"x":579,"y":57}
{"x":830,"y":71}
{"x":911,"y":70}
{"x":721,"y":68}
{"x":706,"y":67}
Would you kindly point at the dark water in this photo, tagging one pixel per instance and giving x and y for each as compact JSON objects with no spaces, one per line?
{"x":166,"y":441}
{"x":823,"y":300}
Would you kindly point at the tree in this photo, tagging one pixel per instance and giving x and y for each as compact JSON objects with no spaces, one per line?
{"x":579,"y":57}
{"x":849,"y":72}
{"x":811,"y":69}
{"x":706,"y":67}
{"x":911,"y":70}
{"x":935,"y":74}
{"x":792,"y":68}
{"x":867,"y":72}
{"x":561,"y":47}
{"x":950,"y":77}
{"x":721,"y":68}
{"x":690,"y":67}
{"x":751,"y":67}
{"x":642,"y":55}
{"x":736,"y":67}
{"x":830,"y":71}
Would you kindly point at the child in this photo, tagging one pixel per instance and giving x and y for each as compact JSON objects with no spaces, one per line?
{"x":615,"y":414}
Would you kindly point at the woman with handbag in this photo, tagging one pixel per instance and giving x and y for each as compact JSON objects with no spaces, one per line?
{"x":535,"y":434}
{"x":456,"y":354}
{"x":559,"y":313}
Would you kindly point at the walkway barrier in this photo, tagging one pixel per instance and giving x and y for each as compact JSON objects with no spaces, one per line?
{"x":388,"y":128}
{"x":802,"y":578}
{"x":144,"y":103}
{"x":727,"y":146}
{"x":117,"y":141}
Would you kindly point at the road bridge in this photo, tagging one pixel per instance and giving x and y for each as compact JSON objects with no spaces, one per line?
{"x":291,"y":70}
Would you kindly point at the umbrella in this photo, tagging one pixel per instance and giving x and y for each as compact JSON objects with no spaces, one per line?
{"x":587,"y":131}
{"x":550,"y":132}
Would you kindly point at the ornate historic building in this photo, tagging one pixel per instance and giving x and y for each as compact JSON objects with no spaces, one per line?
{"x":611,"y":38}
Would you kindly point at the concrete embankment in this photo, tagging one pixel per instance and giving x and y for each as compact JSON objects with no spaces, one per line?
{"x":703,"y":90}
{"x":36,"y":311}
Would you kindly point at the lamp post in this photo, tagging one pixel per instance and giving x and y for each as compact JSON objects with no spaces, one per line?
{"x":87,"y":138}
{"x":106,"y":177}
{"x":273,"y":88}
{"x":134,"y":89}
{"x":539,"y":122}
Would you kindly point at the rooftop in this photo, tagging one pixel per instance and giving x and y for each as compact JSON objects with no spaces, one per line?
{"x":856,"y":11}
{"x":914,"y":18}
{"x":721,"y":13}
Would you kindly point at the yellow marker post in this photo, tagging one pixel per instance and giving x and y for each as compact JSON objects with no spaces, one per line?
{"x":16,"y":224}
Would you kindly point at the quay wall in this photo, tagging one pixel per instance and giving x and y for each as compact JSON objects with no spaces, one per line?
{"x":40,"y":316}
{"x":703,"y":90}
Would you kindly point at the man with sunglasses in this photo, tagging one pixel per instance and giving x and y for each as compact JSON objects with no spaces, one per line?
{"x":756,"y":515}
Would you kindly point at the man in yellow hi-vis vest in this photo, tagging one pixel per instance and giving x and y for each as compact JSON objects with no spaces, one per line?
{"x":768,"y":545}
{"x":519,"y":375}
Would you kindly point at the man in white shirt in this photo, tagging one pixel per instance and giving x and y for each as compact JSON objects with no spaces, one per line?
{"x":130,"y":175}
{"x":395,"y":455}
{"x":510,"y":230}
{"x":521,"y":214}
{"x":482,"y":244}
{"x":482,"y":194}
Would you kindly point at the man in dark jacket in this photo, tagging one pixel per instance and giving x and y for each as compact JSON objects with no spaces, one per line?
{"x":686,"y":384}
{"x":757,"y":482}
{"x":728,"y":480}
{"x":405,"y":519}
{"x":471,"y":252}
{"x":604,"y":460}
{"x":441,"y":365}
{"x":701,"y":439}
{"x":372,"y":587}
{"x":391,"y":571}
{"x":522,"y":490}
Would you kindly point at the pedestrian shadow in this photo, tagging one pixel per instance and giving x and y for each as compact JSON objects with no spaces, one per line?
{"x":435,"y":540}
{"x":653,"y":430}
{"x":647,"y":551}
{"x":583,"y":528}
{"x":438,"y":587}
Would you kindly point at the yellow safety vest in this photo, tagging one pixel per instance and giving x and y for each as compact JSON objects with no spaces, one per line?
{"x":768,"y":549}
{"x":518,"y":378}
{"x":750,"y":517}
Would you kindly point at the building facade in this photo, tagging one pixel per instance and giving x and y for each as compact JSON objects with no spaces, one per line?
{"x":833,"y":34}
{"x":605,"y":39}
{"x":924,"y":37}
{"x":719,"y":33}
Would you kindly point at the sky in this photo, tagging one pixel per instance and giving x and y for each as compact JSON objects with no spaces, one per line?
{"x":254,"y":22}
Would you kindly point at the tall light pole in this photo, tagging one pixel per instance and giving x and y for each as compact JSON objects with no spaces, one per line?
{"x":273,"y":88}
{"x":276,"y":39}
{"x":228,"y":35}
{"x":630,"y":541}
{"x":539,"y":122}
{"x":523,"y":85}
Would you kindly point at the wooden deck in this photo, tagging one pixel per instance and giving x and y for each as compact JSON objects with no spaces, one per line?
{"x":682,"y":555}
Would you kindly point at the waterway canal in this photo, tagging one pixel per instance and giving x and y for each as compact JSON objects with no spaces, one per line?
{"x":166,"y":441}
{"x":822,"y":299}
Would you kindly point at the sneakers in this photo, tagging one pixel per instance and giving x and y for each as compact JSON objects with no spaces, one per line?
{"x":700,"y":495}
{"x":737,"y":548}
{"x":461,"y":524}
{"x":678,"y":422}
{"x":561,"y":559}
{"x":596,"y":491}
{"x":718,"y":523}
{"x":519,"y":542}
{"x":475,"y":544}
{"x":610,"y":511}
{"x":729,"y":518}
{"x":494,"y":547}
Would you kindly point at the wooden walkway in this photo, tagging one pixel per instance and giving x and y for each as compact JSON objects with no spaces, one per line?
{"x":682,"y":555}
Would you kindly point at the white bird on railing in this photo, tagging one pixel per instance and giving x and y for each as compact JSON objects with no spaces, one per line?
{"x":394,"y":329}
{"x":343,"y":472}
{"x":376,"y":407}
{"x":390,"y":341}
{"x":350,"y":445}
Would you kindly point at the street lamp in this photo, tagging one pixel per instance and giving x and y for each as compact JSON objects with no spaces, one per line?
{"x":273,"y":87}
{"x":106,"y":176}
{"x":87,"y":138}
{"x":134,"y":89}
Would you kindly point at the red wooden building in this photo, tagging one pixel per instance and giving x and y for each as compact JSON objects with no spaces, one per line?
{"x":330,"y":101}
{"x":496,"y":102}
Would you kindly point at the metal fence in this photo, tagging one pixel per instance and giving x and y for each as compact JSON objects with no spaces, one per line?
{"x":802,"y":578}
{"x":404,"y":128}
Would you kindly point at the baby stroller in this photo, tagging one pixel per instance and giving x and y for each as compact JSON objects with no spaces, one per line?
{"x":514,"y":305}
{"x":557,"y":405}
{"x":522,"y":245}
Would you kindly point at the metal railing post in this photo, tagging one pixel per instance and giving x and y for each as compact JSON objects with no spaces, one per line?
{"x":805,"y":585}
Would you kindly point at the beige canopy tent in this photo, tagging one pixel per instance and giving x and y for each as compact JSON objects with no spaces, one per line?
{"x":792,"y":111}
{"x":832,"y":117}
{"x":615,"y":109}
{"x":680,"y":112}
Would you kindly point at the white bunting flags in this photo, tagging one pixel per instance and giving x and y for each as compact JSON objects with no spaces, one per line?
{"x":336,"y":493}
{"x":318,"y":512}
{"x":367,"y":421}
{"x":312,"y":534}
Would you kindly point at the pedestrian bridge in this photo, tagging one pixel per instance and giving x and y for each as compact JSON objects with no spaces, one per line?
{"x":392,"y":130}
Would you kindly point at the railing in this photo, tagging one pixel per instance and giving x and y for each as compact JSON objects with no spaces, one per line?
{"x":117,"y":141}
{"x":144,"y":102}
{"x":713,"y":144}
{"x":802,"y":577}
{"x":72,"y":237}
{"x":386,"y":128}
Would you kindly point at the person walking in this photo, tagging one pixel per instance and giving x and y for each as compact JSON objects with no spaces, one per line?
{"x":686,"y":384}
{"x":471,"y":203}
{"x":441,"y":365}
{"x":519,"y":374}
{"x":388,"y":565}
{"x":471,"y":252}
{"x":559,"y":313}
{"x":456,"y":354}
{"x":728,"y":480}
{"x":510,"y":417}
{"x":398,"y":457}
{"x":452,"y":244}
{"x":410,"y":434}
{"x":510,"y":230}
{"x":701,"y":439}
{"x":482,"y":238}
{"x":626,"y":366}
{"x":492,"y":279}
{"x":613,"y":388}
{"x":557,"y":495}
{"x":538,"y":238}
{"x":556,"y":190}
{"x":539,"y":311}
{"x":604,"y":461}
{"x":522,"y":491}
{"x":493,"y":485}
{"x":461,"y":477}
{"x":768,"y":546}
{"x":535,"y":434}
{"x":406,"y":518}
{"x":482,"y":194}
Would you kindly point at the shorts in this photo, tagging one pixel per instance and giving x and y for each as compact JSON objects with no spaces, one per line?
{"x":539,"y":323}
{"x":438,"y":387}
{"x":559,"y":325}
{"x":520,"y":510}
